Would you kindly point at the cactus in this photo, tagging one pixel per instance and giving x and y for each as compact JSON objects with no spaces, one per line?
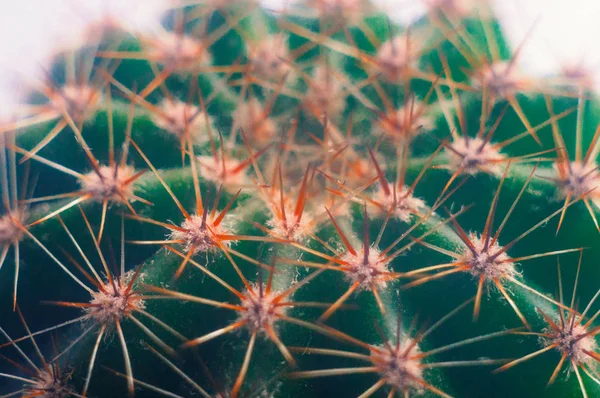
{"x":316,"y":201}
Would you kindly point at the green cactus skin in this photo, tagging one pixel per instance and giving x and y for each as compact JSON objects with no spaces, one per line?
{"x":328,"y":144}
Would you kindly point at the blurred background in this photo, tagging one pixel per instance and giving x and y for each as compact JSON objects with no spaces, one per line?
{"x":565,"y":32}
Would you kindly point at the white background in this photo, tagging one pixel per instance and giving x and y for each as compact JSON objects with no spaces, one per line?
{"x":567,"y":31}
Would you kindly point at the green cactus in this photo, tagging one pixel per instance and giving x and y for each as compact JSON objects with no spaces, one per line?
{"x":303,"y":203}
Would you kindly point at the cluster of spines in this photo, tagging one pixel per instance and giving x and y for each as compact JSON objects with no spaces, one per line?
{"x":337,"y":174}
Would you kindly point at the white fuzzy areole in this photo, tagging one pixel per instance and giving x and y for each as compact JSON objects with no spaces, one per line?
{"x":220,"y":170}
{"x":346,"y":166}
{"x":291,"y":228}
{"x":9,"y":229}
{"x":476,"y":156}
{"x":260,"y":312}
{"x":571,"y":343}
{"x":482,"y":263}
{"x":404,"y":204}
{"x":268,"y":57}
{"x":326,"y":93}
{"x":258,"y":127}
{"x":202,"y":236}
{"x":372,"y":272}
{"x":177,"y":116}
{"x":396,"y":55}
{"x":407,"y":121}
{"x":578,"y":75}
{"x":179,"y":51}
{"x":580,"y":179}
{"x":79,"y":101}
{"x":47,"y":383}
{"x":114,"y":302}
{"x":111,"y":187}
{"x":500,"y":78}
{"x":398,"y":367}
